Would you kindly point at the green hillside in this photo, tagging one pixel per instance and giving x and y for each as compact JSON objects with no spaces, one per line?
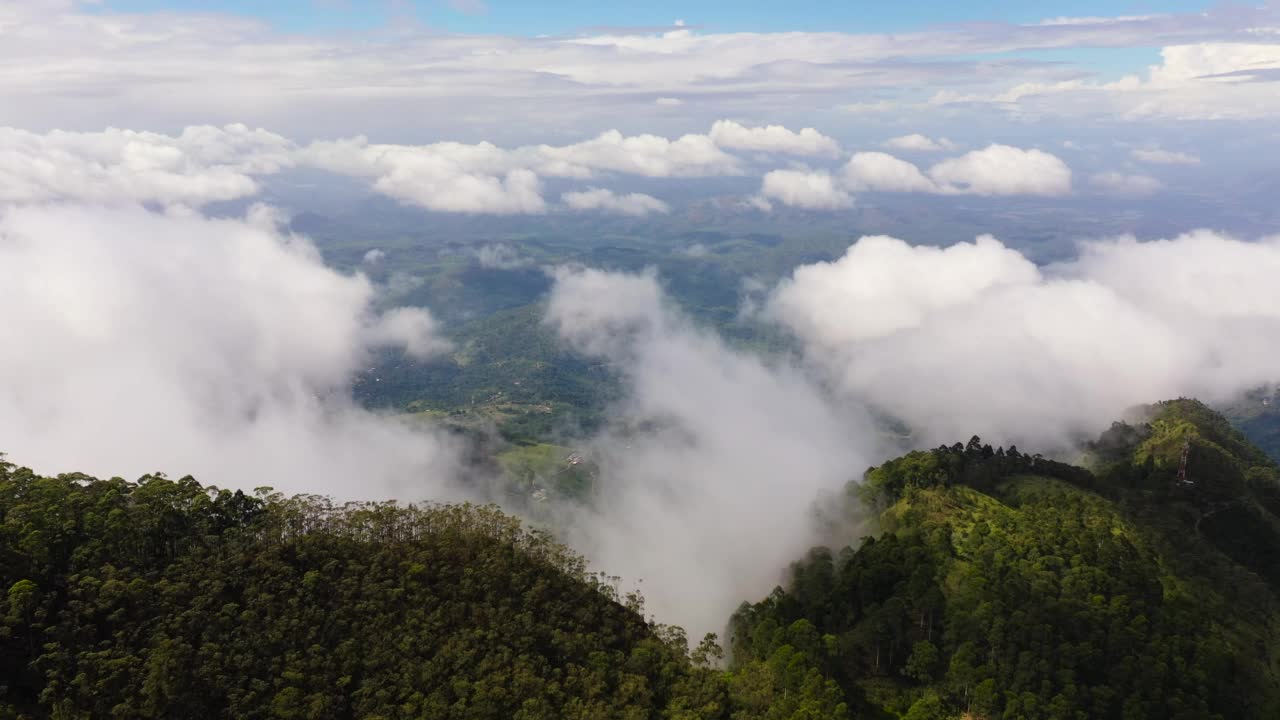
{"x":164,"y":599}
{"x":1257,"y":415}
{"x":1010,"y":586}
{"x":1000,"y":585}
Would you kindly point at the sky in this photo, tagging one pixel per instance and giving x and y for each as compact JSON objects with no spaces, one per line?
{"x":462,"y":70}
{"x":568,"y":17}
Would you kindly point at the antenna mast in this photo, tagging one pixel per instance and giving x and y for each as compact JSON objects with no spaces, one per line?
{"x":1182,"y":467}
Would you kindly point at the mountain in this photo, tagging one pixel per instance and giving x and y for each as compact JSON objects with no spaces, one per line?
{"x":167,"y":599}
{"x":1008,"y":585}
{"x":1257,"y":415}
{"x":1142,"y":583}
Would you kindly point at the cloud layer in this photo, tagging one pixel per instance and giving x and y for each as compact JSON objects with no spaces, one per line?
{"x":66,"y":59}
{"x":634,"y":204}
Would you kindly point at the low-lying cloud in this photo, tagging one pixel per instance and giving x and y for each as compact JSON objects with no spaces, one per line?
{"x":915,"y":142}
{"x":772,"y":138}
{"x":715,"y":458}
{"x":810,"y":190}
{"x":993,"y":170}
{"x":1158,"y":156}
{"x":1133,"y":185}
{"x":140,"y":342}
{"x":201,"y":165}
{"x":604,"y":200}
{"x":974,"y":338}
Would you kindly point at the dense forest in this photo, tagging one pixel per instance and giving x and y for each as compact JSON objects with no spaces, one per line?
{"x":1141,"y":583}
{"x":163,"y":598}
{"x":1006,"y":585}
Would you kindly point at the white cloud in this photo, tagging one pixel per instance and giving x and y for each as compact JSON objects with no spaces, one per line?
{"x":1201,"y":81}
{"x":205,"y":164}
{"x":60,"y":63}
{"x":919,"y":143}
{"x":1124,"y":184}
{"x":811,"y":190}
{"x":995,"y":170}
{"x":485,"y":178}
{"x":500,"y":256}
{"x":646,"y":155}
{"x":220,"y":348}
{"x":634,"y":204}
{"x":668,"y":102}
{"x":772,"y":138}
{"x":1219,"y":63}
{"x":448,"y":177}
{"x":1156,"y":156}
{"x":202,"y":165}
{"x":976,"y":339}
{"x":881,"y":171}
{"x":374,"y":257}
{"x":882,"y":285}
{"x":412,"y":329}
{"x":1004,"y":170}
{"x":710,"y":469}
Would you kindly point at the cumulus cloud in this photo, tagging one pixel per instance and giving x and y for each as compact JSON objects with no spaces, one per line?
{"x":634,"y":204}
{"x":500,"y":256}
{"x":412,"y":329}
{"x":1004,"y":170}
{"x":715,"y":457}
{"x":811,"y":190}
{"x":881,"y":171}
{"x":1124,"y":184}
{"x":772,"y":138}
{"x":883,"y":285}
{"x":374,"y":257}
{"x":919,"y":143}
{"x":201,"y":165}
{"x":647,"y":155}
{"x":448,"y":177}
{"x":995,"y":170}
{"x":220,"y":348}
{"x":485,"y":178}
{"x":1156,"y":156}
{"x":975,"y":338}
{"x":205,"y":164}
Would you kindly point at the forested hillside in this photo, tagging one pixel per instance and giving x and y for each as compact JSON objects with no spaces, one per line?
{"x":1007,"y":585}
{"x":168,"y":599}
{"x":1001,"y":585}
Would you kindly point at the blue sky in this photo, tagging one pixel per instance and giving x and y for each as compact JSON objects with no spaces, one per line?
{"x":526,"y":17}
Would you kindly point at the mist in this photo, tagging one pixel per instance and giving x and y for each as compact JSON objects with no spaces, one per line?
{"x":714,"y":460}
{"x":139,"y":341}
